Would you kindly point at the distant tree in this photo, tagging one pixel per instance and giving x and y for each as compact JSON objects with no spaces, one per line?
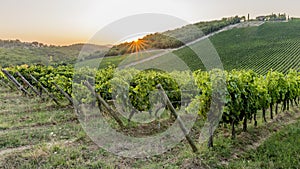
{"x":243,"y":18}
{"x":35,"y":43}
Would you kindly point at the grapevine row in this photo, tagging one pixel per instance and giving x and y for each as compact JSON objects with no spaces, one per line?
{"x":231,"y":97}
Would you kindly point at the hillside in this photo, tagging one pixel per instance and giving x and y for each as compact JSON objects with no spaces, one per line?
{"x":15,"y":52}
{"x":173,"y":38}
{"x":273,"y":45}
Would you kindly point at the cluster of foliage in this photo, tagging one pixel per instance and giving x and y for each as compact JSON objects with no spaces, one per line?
{"x":246,"y":93}
{"x":46,"y":75}
{"x":2,"y":76}
{"x":107,"y":82}
{"x":273,"y":17}
{"x":18,"y":43}
{"x":173,"y":38}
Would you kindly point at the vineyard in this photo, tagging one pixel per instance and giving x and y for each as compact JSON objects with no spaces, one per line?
{"x":236,"y":95}
{"x":273,"y":45}
{"x":257,"y":94}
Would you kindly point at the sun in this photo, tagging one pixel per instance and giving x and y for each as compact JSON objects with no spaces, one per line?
{"x":137,"y":45}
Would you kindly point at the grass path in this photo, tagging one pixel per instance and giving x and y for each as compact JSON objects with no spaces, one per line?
{"x":14,"y":150}
{"x":273,"y":126}
{"x":19,"y":114}
{"x":278,"y":149}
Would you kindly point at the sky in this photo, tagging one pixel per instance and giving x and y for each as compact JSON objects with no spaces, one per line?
{"x":65,"y":22}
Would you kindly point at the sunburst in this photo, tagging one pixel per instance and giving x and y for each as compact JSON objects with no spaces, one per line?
{"x":137,"y":46}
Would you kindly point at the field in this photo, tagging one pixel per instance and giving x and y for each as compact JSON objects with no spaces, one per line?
{"x":273,"y":45}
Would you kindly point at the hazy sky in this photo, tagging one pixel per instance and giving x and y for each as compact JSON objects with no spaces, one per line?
{"x":72,"y":21}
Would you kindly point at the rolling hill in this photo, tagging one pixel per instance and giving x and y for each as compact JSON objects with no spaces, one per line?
{"x":15,"y":52}
{"x":272,"y":45}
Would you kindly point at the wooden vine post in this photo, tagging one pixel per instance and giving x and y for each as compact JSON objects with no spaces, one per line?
{"x":26,"y":81}
{"x":43,"y":88}
{"x":64,"y":93}
{"x":174,"y":113}
{"x":103,"y":102}
{"x":15,"y":82}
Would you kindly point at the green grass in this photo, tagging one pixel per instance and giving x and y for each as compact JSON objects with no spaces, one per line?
{"x":40,"y":118}
{"x":66,"y":145}
{"x":29,"y":121}
{"x":34,"y":136}
{"x":17,"y":111}
{"x":280,"y":151}
{"x":273,"y":45}
{"x":82,"y":153}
